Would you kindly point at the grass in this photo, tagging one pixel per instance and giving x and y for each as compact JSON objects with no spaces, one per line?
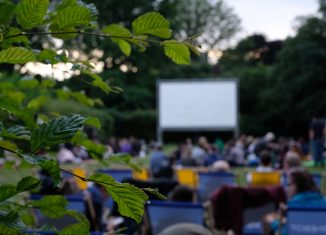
{"x":9,"y":174}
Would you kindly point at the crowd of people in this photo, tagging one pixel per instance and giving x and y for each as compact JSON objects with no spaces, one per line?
{"x":263,"y":154}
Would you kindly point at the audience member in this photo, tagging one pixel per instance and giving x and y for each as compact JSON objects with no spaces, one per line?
{"x":317,"y":132}
{"x":302,"y":191}
{"x":65,"y":154}
{"x":220,"y":166}
{"x":182,"y":193}
{"x":160,"y":165}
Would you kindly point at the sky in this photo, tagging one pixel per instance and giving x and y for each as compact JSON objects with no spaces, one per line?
{"x":273,"y":18}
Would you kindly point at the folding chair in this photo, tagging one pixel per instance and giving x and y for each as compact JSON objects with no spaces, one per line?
{"x":306,"y":221}
{"x":261,"y":179}
{"x":142,"y":175}
{"x":162,"y":214}
{"x":75,"y":202}
{"x":208,"y":182}
{"x":187,"y":176}
{"x":253,"y":219}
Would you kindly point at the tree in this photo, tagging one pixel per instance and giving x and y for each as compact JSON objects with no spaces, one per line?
{"x":251,"y":61}
{"x":215,"y":22}
{"x":22,"y":97}
{"x":297,"y":92}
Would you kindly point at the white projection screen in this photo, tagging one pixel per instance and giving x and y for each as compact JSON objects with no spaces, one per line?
{"x":205,"y":104}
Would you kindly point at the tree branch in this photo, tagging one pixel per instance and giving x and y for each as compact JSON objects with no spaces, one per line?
{"x":79,"y":32}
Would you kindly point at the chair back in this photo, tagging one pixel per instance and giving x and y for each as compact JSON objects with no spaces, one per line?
{"x":163,"y":214}
{"x":306,"y":221}
{"x":252,"y":218}
{"x":75,"y":202}
{"x":117,"y":174}
{"x":208,"y":182}
{"x":141,"y":175}
{"x":261,"y":179}
{"x":187,"y":176}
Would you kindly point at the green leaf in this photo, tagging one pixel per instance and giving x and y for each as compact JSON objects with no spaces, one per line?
{"x":48,"y":83}
{"x":18,"y":132}
{"x":8,"y":145}
{"x":124,"y":46}
{"x":18,"y":96}
{"x":27,"y":183}
{"x":94,"y":148}
{"x":63,"y":94}
{"x":51,"y":166}
{"x":58,"y":130}
{"x":129,"y":198}
{"x":5,"y":230}
{"x":11,"y":219}
{"x":116,"y":30}
{"x":98,"y":82}
{"x":8,"y":42}
{"x":28,"y":83}
{"x":192,"y":48}
{"x":7,"y":11}
{"x":71,"y":16}
{"x":177,"y":52}
{"x":82,"y":98}
{"x":92,"y":121}
{"x":16,"y":55}
{"x":7,"y":191}
{"x":79,"y":228}
{"x":126,"y":159}
{"x":37,"y":102}
{"x":48,"y":56}
{"x":53,"y":206}
{"x":31,"y":13}
{"x":155,"y":192}
{"x":152,"y":23}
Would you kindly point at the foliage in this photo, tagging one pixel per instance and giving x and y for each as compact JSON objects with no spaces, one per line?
{"x":281,"y":87}
{"x":28,"y":132}
{"x":141,"y":71}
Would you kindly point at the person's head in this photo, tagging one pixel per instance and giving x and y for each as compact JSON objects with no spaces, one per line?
{"x":292,"y":161}
{"x":182,"y":193}
{"x":269,"y":137}
{"x":220,"y":166}
{"x":300,"y":182}
{"x":158,"y":146}
{"x":265,"y":158}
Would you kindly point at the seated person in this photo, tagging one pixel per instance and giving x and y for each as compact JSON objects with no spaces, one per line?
{"x":220,"y":166}
{"x":264,"y":166}
{"x":302,"y":190}
{"x":182,"y":193}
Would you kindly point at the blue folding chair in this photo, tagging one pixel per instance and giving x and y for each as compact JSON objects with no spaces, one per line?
{"x":208,"y":182}
{"x":75,"y":202}
{"x":118,"y":175}
{"x":162,"y":214}
{"x":252,"y":218}
{"x":306,"y":221}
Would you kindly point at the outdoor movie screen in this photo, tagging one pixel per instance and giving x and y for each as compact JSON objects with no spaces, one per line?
{"x":198,"y":104}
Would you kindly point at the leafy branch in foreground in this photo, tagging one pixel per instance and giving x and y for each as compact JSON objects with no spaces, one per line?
{"x":21,"y":100}
{"x":74,"y":18}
